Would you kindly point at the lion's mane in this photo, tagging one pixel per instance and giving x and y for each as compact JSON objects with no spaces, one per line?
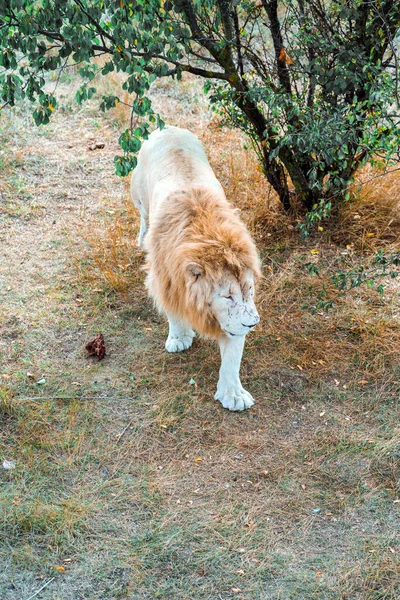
{"x":199,"y":227}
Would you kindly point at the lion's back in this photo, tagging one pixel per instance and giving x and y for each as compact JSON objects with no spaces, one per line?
{"x":171,"y":160}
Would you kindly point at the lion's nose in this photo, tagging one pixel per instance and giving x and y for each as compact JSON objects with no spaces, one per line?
{"x":252,"y":324}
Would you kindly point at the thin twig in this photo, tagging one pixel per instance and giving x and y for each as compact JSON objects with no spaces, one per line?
{"x":42,"y":588}
{"x":121,"y":434}
{"x":33,"y":398}
{"x":360,"y":184}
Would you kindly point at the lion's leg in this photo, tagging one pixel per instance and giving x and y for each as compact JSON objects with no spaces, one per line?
{"x":230,"y":392}
{"x":142,"y":232}
{"x":180,"y":336}
{"x":136,"y":194}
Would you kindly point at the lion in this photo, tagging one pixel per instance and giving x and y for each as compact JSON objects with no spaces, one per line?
{"x":202,"y":264}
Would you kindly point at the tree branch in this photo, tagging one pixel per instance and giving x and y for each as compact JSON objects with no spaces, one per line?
{"x":271,"y":9}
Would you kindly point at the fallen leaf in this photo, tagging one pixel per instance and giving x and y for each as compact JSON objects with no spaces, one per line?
{"x":198,"y":459}
{"x":96,"y":146}
{"x":60,"y":568}
{"x":236,"y":590}
{"x":6,"y":376}
{"x":30,"y":375}
{"x":314,"y":251}
{"x":41,"y":381}
{"x":97,"y":347}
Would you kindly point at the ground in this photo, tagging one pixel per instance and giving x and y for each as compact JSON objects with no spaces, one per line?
{"x":130,"y":481}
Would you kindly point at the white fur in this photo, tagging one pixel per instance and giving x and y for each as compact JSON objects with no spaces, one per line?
{"x":159,"y":174}
{"x":169,"y":161}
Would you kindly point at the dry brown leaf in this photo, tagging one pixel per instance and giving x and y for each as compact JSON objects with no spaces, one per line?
{"x":97,"y":347}
{"x":283,"y":57}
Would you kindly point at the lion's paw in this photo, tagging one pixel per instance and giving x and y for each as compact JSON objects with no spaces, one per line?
{"x":174,"y":344}
{"x":235,"y":398}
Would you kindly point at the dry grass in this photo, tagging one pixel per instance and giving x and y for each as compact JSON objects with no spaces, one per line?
{"x":115,"y":259}
{"x":372,"y":220}
{"x":149,"y":489}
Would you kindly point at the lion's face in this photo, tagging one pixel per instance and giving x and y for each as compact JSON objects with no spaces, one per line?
{"x":230,"y":301}
{"x":233,"y":305}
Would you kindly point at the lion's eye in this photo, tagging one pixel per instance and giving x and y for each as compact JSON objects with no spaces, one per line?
{"x":229,"y":298}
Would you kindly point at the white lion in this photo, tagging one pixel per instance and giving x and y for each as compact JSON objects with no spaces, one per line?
{"x":201,"y":261}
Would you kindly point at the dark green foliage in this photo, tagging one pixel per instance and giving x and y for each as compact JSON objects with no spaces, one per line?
{"x":383,"y":266}
{"x":314,"y":85}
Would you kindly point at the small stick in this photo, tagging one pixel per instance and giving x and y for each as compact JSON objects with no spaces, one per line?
{"x":32,"y":398}
{"x":42,"y":588}
{"x":121,"y":434}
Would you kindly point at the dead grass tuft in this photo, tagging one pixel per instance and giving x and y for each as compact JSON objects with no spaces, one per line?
{"x":372,"y":220}
{"x":374,"y":576}
{"x":114,"y":259}
{"x":7,"y":404}
{"x":60,"y":520}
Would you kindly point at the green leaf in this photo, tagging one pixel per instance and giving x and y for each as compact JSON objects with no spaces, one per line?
{"x":124,"y":165}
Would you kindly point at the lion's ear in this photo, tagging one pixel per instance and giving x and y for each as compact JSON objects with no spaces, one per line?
{"x":194,"y":271}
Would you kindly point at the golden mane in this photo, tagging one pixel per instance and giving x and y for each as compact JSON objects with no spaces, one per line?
{"x":196,"y":227}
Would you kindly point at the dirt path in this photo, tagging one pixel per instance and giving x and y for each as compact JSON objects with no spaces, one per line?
{"x":130,"y":481}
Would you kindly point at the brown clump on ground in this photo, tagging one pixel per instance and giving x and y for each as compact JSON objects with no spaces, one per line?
{"x":97,"y":347}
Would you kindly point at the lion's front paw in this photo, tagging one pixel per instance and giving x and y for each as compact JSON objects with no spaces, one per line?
{"x":175,"y":344}
{"x":234,"y":398}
